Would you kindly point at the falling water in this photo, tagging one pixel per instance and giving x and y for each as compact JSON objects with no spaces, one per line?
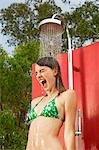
{"x":51,"y":39}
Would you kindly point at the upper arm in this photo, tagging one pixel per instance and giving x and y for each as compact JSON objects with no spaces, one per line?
{"x":70,"y":112}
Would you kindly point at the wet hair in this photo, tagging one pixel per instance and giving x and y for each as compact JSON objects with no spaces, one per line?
{"x":53,"y":64}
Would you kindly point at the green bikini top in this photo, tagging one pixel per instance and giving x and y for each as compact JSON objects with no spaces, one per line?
{"x":49,"y":110}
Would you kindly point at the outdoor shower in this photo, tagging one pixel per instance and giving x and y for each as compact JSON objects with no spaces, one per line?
{"x":51,"y":31}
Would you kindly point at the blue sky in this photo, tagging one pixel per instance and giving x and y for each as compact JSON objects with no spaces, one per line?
{"x":6,"y":3}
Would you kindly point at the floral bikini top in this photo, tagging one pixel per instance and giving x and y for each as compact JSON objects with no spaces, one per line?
{"x":49,"y":110}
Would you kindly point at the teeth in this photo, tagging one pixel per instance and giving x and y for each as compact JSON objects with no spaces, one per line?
{"x":43,"y":81}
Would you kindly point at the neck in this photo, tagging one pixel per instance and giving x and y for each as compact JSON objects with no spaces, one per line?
{"x":52,"y":93}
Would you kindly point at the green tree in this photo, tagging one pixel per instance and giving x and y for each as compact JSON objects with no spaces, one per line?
{"x":20,"y":21}
{"x":83,"y":23}
{"x":45,"y":9}
{"x":16,"y":76}
{"x":15,"y":85}
{"x":3,"y":57}
{"x":11,"y":136}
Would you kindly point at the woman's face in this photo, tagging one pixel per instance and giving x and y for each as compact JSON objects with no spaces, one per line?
{"x":46,"y":76}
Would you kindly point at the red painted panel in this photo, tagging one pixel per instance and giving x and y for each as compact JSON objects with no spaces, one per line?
{"x":86,"y":84}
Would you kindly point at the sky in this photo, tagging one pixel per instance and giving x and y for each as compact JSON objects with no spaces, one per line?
{"x":6,"y":3}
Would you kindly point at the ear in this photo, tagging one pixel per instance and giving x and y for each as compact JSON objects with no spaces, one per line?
{"x":55,"y":72}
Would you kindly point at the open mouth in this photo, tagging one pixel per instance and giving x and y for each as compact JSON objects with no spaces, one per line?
{"x":43,"y":82}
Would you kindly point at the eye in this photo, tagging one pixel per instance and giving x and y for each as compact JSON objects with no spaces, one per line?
{"x":42,"y":70}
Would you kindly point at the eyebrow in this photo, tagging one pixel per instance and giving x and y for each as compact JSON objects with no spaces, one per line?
{"x":40,"y":70}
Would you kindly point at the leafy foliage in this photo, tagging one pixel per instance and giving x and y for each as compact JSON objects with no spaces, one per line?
{"x":46,"y":10}
{"x":9,"y":119}
{"x":20,"y":22}
{"x":83,"y":24}
{"x":15,"y":90}
{"x":11,"y":137}
{"x":17,"y":22}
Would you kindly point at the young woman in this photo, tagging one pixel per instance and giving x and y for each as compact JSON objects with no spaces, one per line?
{"x":49,"y":112}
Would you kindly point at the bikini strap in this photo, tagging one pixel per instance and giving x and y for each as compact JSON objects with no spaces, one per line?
{"x":62,"y":119}
{"x":42,"y":99}
{"x":39,"y":101}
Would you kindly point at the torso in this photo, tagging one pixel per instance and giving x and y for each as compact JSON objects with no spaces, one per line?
{"x":43,"y":132}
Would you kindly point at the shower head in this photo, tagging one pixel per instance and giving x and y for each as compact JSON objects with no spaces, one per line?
{"x":52,"y":25}
{"x":54,"y":20}
{"x":51,"y":30}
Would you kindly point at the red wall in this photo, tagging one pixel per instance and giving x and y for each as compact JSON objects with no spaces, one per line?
{"x":86,"y":84}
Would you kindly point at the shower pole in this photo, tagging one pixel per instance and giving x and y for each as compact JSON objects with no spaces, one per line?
{"x":70,"y":67}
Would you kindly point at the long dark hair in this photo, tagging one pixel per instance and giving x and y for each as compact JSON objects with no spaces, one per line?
{"x":53,"y":64}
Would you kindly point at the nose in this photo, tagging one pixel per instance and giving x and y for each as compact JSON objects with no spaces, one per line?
{"x":38,"y":75}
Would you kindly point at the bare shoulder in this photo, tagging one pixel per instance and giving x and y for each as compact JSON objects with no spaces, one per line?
{"x":70,"y":92}
{"x":70,"y":97}
{"x":36,"y":100}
